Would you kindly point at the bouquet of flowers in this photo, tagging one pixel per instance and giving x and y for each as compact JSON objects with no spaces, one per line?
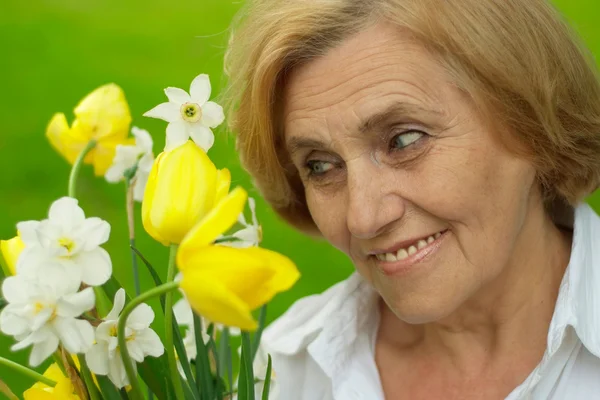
{"x":60,"y":298}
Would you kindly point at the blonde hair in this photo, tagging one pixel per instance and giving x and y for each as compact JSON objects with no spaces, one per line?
{"x":517,"y":59}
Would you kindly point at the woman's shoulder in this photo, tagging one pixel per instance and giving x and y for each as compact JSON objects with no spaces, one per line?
{"x":306,"y":318}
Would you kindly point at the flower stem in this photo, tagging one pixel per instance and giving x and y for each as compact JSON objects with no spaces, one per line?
{"x":131,"y":374}
{"x":77,"y":166}
{"x":27,"y":372}
{"x":130,"y":206}
{"x":169,"y":347}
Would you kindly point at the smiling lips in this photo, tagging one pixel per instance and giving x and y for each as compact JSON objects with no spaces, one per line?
{"x":408,"y":251}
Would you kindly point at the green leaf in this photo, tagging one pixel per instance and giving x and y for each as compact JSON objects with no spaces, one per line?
{"x":267,"y":387}
{"x":203,"y":372}
{"x":111,"y":287}
{"x":218,"y":382}
{"x":247,"y":366}
{"x":262,"y":318}
{"x":177,"y":339}
{"x":3,"y":303}
{"x":151,"y":371}
{"x":108,"y":390}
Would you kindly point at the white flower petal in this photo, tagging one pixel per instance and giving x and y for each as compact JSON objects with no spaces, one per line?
{"x":141,"y":317}
{"x":177,"y":95}
{"x":145,"y":163}
{"x":115,"y":173}
{"x":143,"y":140}
{"x":97,"y":359}
{"x":27,"y":232}
{"x":75,"y":334}
{"x":200,"y":89}
{"x":150,"y":343}
{"x":96,"y":266}
{"x":93,"y":232}
{"x":117,"y":373}
{"x":14,"y":289}
{"x":118,"y":304}
{"x":183,"y":312}
{"x":41,"y":318}
{"x":249,"y":234}
{"x":141,"y":179}
{"x":12,"y":323}
{"x":42,"y":350}
{"x":135,"y":350}
{"x":252,"y":206}
{"x":74,"y":305}
{"x":202,"y":136}
{"x":166,"y":111}
{"x":212,"y":114}
{"x":66,"y":212}
{"x":177,"y":134}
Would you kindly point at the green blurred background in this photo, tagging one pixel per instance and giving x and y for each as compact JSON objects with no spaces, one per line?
{"x":56,"y":51}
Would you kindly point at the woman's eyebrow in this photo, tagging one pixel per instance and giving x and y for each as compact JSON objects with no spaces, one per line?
{"x":390,"y":115}
{"x":297,"y":143}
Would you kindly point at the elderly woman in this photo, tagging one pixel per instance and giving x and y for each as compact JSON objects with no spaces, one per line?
{"x":446,"y":147}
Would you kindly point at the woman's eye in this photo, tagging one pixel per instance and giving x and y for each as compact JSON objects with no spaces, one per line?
{"x":406,"y":139}
{"x":317,"y":167}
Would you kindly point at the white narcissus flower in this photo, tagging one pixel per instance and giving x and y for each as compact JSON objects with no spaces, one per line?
{"x":66,"y":246}
{"x":251,"y":234}
{"x":104,"y":358}
{"x":189,"y":115}
{"x":44,"y":315}
{"x":128,"y":156}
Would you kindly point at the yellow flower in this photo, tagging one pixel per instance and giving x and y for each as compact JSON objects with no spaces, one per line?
{"x":11,"y":249}
{"x":183,"y":187}
{"x":224,"y":284}
{"x":102,"y":115}
{"x":62,"y":391}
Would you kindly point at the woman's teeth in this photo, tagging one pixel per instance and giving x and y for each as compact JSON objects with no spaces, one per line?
{"x":404,"y":253}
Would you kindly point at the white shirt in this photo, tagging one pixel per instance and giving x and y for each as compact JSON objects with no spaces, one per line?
{"x":323,"y":347}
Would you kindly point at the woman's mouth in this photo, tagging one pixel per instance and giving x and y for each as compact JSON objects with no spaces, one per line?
{"x":392,"y":262}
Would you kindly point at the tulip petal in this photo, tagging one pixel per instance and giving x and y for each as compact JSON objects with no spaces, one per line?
{"x":211,"y":299}
{"x":200,"y":89}
{"x":202,"y":136}
{"x":177,"y":135}
{"x":223,"y":184}
{"x":96,"y":266}
{"x":148,"y":200}
{"x":105,"y":104}
{"x":218,"y":220}
{"x":212,"y":114}
{"x":11,"y":250}
{"x":253,"y":274}
{"x":184,"y":192}
{"x":177,"y":95}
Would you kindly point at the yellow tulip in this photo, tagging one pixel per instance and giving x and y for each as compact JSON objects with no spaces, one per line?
{"x":11,"y":249}
{"x":102,"y":115}
{"x":224,"y":284}
{"x":182,"y":188}
{"x":62,"y":391}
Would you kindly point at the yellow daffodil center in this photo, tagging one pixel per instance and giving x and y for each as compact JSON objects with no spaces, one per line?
{"x":191,"y":112}
{"x":67,"y":244}
{"x":39,"y":306}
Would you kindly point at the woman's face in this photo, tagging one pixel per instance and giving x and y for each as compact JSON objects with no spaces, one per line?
{"x":403,"y":175}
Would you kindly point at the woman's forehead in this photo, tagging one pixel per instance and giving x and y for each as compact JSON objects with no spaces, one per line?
{"x":375,"y":70}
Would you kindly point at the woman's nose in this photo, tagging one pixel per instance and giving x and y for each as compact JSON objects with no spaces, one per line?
{"x":375,"y":203}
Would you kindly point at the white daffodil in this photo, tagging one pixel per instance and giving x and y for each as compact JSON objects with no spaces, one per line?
{"x":44,"y":315}
{"x":189,"y":115}
{"x":130,"y":156}
{"x":251,"y":234}
{"x":104,"y":358}
{"x":66,"y":246}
